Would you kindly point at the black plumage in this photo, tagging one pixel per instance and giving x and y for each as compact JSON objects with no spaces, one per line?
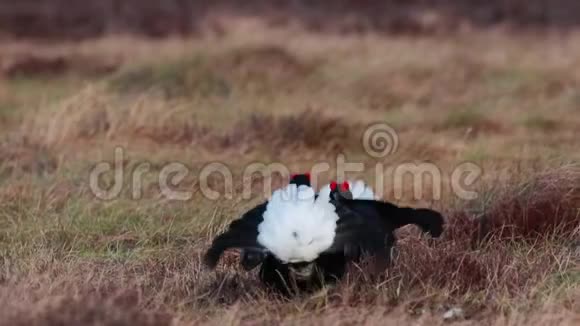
{"x":364,"y":228}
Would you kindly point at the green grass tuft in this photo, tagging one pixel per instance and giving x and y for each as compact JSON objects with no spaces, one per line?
{"x":462,"y":119}
{"x":538,"y":122}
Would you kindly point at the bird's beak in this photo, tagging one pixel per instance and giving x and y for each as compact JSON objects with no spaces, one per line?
{"x":302,"y":272}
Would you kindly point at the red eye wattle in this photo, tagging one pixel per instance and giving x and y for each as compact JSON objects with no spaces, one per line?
{"x":333,"y":185}
{"x":345,"y":186}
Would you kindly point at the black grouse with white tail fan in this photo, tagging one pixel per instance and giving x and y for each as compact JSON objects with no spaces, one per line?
{"x":304,"y":240}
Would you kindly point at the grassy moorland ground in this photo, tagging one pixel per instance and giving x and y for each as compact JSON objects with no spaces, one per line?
{"x":507,"y":103}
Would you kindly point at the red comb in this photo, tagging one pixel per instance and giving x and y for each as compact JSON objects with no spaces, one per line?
{"x":345,"y":186}
{"x":307,"y":175}
{"x":333,"y":185}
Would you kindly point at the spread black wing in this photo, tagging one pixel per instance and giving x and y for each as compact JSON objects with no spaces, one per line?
{"x":392,"y":217}
{"x":241,"y":233}
{"x":367,"y":226}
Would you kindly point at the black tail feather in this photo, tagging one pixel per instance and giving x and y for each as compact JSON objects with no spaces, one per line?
{"x":228,"y":241}
{"x":428,"y":220}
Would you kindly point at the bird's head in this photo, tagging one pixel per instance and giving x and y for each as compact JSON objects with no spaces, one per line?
{"x":342,"y":190}
{"x":347,"y":190}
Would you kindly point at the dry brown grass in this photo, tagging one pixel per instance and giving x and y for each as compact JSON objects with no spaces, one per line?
{"x":103,"y":277}
{"x":27,"y":65}
{"x":543,"y":205}
{"x":308,"y":130}
{"x":93,"y":117}
{"x":509,"y":257}
{"x":20,"y":156}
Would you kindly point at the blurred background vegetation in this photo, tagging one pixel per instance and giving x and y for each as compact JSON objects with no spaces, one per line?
{"x":495,"y":83}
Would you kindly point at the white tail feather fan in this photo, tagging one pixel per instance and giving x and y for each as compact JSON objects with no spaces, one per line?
{"x":297,"y":227}
{"x":360,"y":190}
